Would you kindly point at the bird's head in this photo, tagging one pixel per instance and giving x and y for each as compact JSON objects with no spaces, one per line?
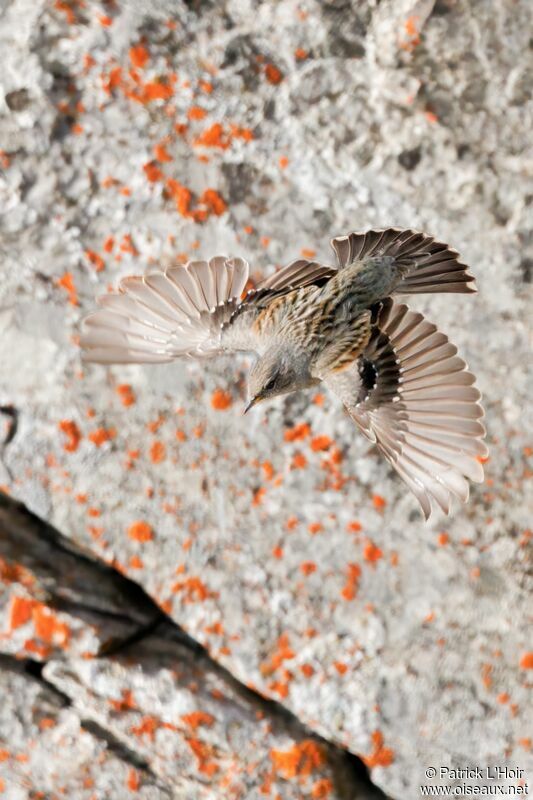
{"x":278,"y":371}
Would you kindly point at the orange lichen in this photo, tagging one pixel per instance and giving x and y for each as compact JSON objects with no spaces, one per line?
{"x":108,"y":245}
{"x":221,"y":400}
{"x":526,"y":661}
{"x":283,"y":652}
{"x":301,"y":760}
{"x":146,"y":727}
{"x":205,"y":86}
{"x":11,"y":572}
{"x":215,"y":136}
{"x":354,"y":526}
{"x":443,"y":539}
{"x":20,"y":611}
{"x":307,"y":670}
{"x":281,"y":688}
{"x":203,"y":753}
{"x":300,"y":431}
{"x":193,"y":590}
{"x":197,"y":718}
{"x":315,"y":527}
{"x":34,"y":647}
{"x":308,"y":567}
{"x":161,"y":153}
{"x":283,"y":162}
{"x":349,"y":591}
{"x":133,"y":780}
{"x":156,"y":90}
{"x":139,"y":56}
{"x":268,"y":470}
{"x":196,"y":112}
{"x":140,"y":531}
{"x":105,"y":21}
{"x":300,"y":54}
{"x":321,"y":443}
{"x":95,"y":259}
{"x":299,"y":461}
{"x":67,"y":9}
{"x":273,"y":74}
{"x":258,"y":496}
{"x":48,"y":627}
{"x":126,"y":702}
{"x":379,"y":502}
{"x":412,"y":30}
{"x":102,"y":435}
{"x":73,"y":434}
{"x":152,"y":172}
{"x":307,"y":253}
{"x":246,"y":134}
{"x":181,"y":195}
{"x":66,"y":282}
{"x":322,"y":788}
{"x":125,"y":392}
{"x":277,"y":551}
{"x":158,"y":452}
{"x":380,"y":756}
{"x":214,"y":202}
{"x":371,"y":551}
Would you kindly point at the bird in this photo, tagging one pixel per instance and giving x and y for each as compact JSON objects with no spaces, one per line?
{"x":399,"y":378}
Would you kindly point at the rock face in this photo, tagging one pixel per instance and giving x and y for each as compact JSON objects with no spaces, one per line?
{"x":131,"y":137}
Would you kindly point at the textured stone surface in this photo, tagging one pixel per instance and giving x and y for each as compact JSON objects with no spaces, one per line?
{"x":201,"y":735}
{"x":150,"y":709}
{"x":307,"y":572}
{"x":56,"y":600}
{"x":46,"y":753}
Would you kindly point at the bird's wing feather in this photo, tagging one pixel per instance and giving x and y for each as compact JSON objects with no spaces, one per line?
{"x":413,"y":396}
{"x":163,"y":315}
{"x":425,"y":264}
{"x":298,"y":273}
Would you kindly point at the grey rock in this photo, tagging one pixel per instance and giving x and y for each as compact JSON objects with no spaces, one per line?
{"x":418,"y":661}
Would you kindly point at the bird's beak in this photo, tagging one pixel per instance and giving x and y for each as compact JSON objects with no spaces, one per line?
{"x":251,"y":404}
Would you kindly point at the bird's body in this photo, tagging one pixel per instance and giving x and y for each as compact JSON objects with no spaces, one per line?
{"x":398,"y":377}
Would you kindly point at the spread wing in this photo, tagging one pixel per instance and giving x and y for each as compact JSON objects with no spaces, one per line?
{"x":413,"y":396}
{"x":194,"y":310}
{"x":160,"y":316}
{"x":425,"y":264}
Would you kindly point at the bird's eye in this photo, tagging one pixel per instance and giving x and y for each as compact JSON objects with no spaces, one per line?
{"x":270,"y":385}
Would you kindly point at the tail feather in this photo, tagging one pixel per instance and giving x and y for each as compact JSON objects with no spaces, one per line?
{"x":426,"y":265}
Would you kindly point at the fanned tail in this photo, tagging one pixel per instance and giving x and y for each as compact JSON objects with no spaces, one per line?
{"x":426,"y":265}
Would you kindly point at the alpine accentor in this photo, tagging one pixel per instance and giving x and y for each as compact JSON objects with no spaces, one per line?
{"x":399,"y":378}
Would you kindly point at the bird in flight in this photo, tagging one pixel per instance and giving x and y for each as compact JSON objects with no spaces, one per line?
{"x":399,"y":378}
